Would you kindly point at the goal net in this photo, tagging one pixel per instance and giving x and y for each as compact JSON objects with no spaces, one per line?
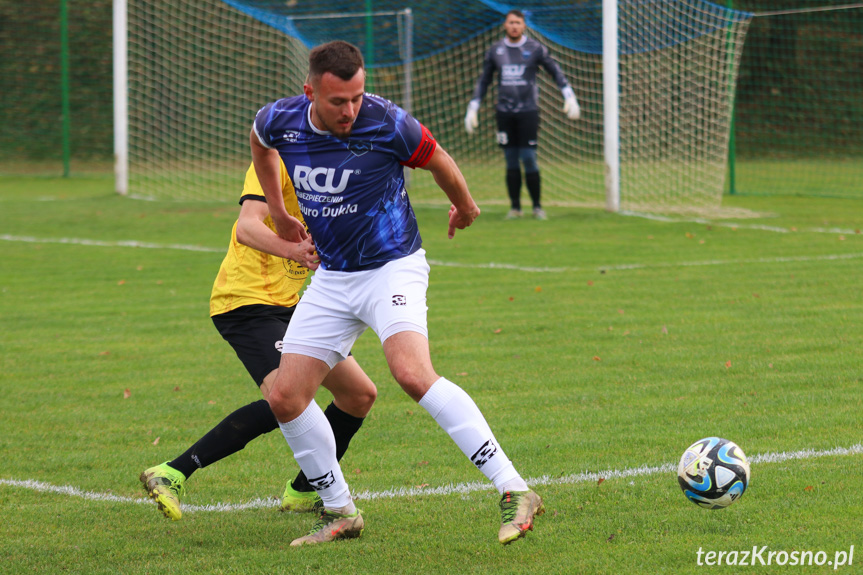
{"x":198,"y":72}
{"x":799,"y":112}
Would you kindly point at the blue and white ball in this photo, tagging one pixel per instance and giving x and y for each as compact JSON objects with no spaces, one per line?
{"x":713,"y":473}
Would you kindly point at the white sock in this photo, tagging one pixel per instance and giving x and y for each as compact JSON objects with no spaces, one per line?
{"x":311,"y":439}
{"x":458,"y":415}
{"x":517,"y":484}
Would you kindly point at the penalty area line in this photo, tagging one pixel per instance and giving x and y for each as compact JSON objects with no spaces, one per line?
{"x":452,"y":489}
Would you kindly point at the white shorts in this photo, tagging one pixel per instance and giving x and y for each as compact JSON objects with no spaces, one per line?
{"x":337,"y":307}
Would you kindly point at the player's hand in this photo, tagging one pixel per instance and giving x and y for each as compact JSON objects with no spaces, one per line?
{"x":471,"y":119}
{"x":460,"y":220}
{"x":570,"y":105}
{"x":290,"y":229}
{"x":305,"y":254}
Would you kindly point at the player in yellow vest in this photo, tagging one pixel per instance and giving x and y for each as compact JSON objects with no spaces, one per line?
{"x":251,"y":304}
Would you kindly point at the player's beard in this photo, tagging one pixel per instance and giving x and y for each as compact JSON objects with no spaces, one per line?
{"x":338,"y":131}
{"x":512,"y":38}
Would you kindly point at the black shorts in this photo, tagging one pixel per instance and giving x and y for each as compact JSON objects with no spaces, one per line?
{"x":255,"y":332}
{"x":517,"y":129}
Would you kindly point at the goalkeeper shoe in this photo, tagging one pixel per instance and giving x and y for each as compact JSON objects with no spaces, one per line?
{"x":540,"y":214}
{"x":513,"y":214}
{"x":300,"y":501}
{"x":518,"y":509}
{"x":165,"y":485}
{"x":331,"y":526}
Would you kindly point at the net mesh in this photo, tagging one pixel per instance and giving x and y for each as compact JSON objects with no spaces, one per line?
{"x":799,"y":119}
{"x":31,"y":91}
{"x":799,"y":115}
{"x":200,"y":70}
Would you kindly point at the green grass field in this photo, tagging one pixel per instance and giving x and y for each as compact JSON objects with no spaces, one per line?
{"x":599,"y":347}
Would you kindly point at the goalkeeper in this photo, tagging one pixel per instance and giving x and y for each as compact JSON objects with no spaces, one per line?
{"x":517,"y":58}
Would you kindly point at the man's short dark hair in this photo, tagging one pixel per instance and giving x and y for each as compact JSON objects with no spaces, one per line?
{"x":514,"y":12}
{"x":339,"y":58}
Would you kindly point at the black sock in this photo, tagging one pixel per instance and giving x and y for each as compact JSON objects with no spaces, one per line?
{"x":513,"y":187}
{"x":344,"y":427}
{"x":229,"y":436}
{"x":532,"y":180}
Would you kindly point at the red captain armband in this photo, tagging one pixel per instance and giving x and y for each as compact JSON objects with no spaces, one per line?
{"x":424,"y":151}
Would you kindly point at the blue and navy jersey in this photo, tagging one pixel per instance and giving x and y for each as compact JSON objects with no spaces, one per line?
{"x":351,"y":192}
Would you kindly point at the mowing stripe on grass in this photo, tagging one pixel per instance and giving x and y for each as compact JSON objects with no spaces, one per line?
{"x":460,"y":488}
{"x":490,"y":265}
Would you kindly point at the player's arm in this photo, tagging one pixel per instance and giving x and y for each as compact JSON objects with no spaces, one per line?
{"x":253,"y":232}
{"x":448,"y":176}
{"x":471,"y":119}
{"x":266,"y":162}
{"x":570,"y":104}
{"x":485,"y":78}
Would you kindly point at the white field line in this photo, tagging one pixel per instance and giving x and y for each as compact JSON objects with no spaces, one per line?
{"x":738,"y":225}
{"x":490,"y":265}
{"x":452,"y":489}
{"x":104,"y":244}
{"x":639,"y":266}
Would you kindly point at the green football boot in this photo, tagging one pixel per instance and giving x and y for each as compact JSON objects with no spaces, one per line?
{"x":164,"y":484}
{"x":300,"y":501}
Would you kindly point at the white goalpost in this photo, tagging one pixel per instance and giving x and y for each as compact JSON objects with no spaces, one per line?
{"x":655,"y":80}
{"x":121,"y":109}
{"x":611,"y":105}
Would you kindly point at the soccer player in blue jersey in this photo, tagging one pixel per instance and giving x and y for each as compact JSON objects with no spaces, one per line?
{"x":517,"y":59}
{"x":345,"y":151}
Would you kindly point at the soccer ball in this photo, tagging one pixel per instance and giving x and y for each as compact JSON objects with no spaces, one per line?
{"x":713,"y":473}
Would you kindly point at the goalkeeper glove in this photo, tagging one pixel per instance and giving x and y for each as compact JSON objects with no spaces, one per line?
{"x":471,"y":121}
{"x":570,"y":104}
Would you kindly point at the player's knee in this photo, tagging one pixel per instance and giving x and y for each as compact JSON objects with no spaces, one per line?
{"x":283,"y":405}
{"x":356,"y":399}
{"x":528,"y":158}
{"x":364,"y":398}
{"x":415,"y":384}
{"x":369,"y":396}
{"x":511,"y":157}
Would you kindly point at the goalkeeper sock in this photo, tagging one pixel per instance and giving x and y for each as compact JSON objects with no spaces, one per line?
{"x":345,"y":426}
{"x":454,"y":410}
{"x":228,"y":437}
{"x":533,"y":187}
{"x":513,"y":187}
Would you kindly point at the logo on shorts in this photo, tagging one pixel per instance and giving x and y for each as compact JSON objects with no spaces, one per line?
{"x":323,"y":481}
{"x":484,"y":453}
{"x":400,"y":300}
{"x":279,"y":345}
